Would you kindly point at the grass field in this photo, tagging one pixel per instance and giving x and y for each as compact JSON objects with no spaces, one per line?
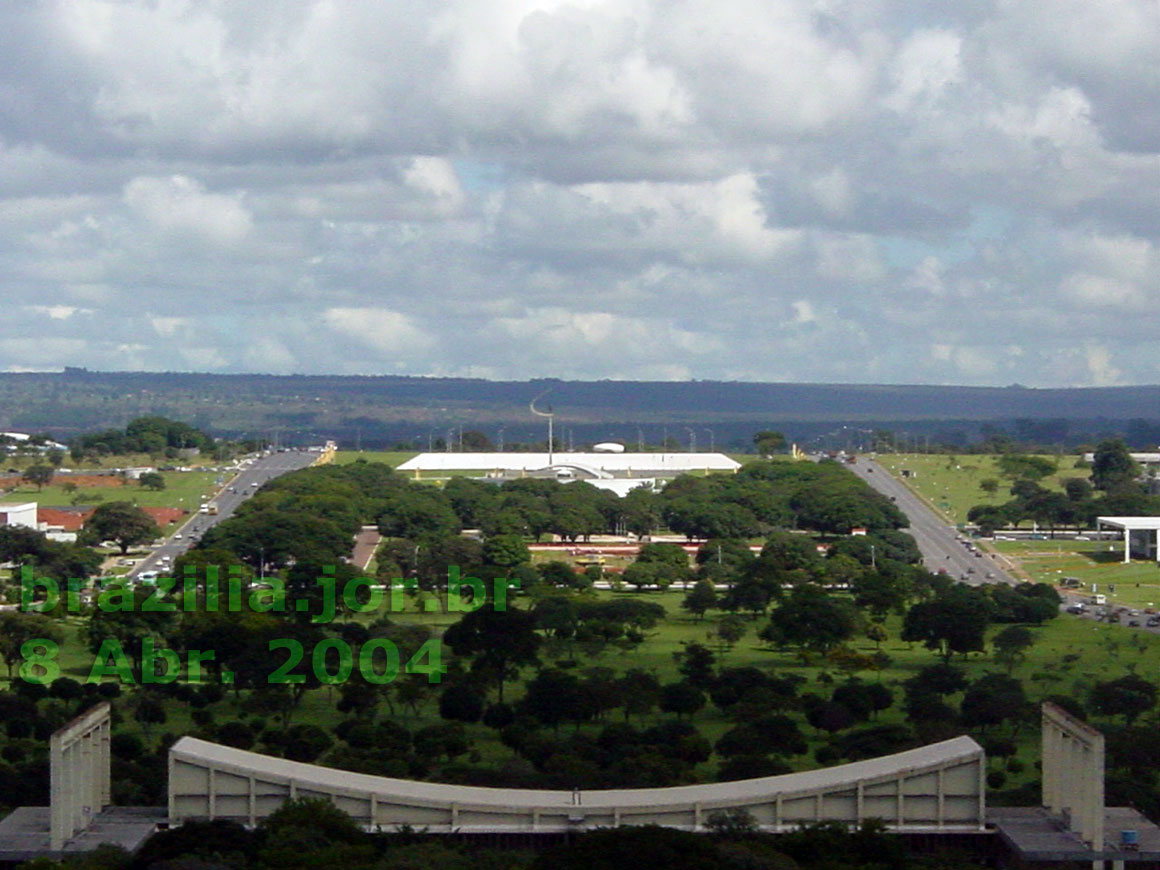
{"x":183,"y":489}
{"x":1135,"y":584}
{"x":392,"y":458}
{"x":1070,"y":655}
{"x":951,"y":484}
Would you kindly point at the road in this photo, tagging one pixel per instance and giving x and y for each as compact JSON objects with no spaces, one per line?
{"x":939,"y":542}
{"x":247,"y":481}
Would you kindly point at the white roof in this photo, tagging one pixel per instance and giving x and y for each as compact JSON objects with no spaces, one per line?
{"x":934,"y":755}
{"x":22,"y":506}
{"x":622,"y":462}
{"x":621,"y":485}
{"x":1130,"y":523}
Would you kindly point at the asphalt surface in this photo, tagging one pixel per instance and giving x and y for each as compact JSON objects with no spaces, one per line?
{"x":941,"y":545}
{"x":235,"y":491}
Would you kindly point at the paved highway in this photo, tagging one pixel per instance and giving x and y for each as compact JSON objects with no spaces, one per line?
{"x":247,"y":481}
{"x":941,"y":548}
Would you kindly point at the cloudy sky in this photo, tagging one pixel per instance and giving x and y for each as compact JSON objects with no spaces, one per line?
{"x":836,"y":190}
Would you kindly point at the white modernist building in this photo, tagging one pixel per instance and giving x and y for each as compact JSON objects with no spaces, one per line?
{"x":19,"y":515}
{"x":1141,"y":535}
{"x":935,"y":788}
{"x":594,"y":464}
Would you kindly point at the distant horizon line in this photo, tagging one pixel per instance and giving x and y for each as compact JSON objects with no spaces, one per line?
{"x":564,"y":380}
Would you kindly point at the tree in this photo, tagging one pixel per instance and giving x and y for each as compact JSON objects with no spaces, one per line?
{"x":992,"y":700}
{"x":499,"y":642}
{"x":682,"y":698}
{"x":461,"y":703}
{"x":1113,"y":465}
{"x":122,"y":522}
{"x":150,"y":711}
{"x":1129,"y":696}
{"x":812,"y":619}
{"x":506,"y":551}
{"x":778,"y":735}
{"x":830,"y":716}
{"x":554,"y":697}
{"x":670,"y":561}
{"x":640,"y":691}
{"x":702,"y":598}
{"x":18,"y":628}
{"x":768,"y":442}
{"x":475,"y":441}
{"x":153,"y":480}
{"x":954,"y":622}
{"x":1019,"y":466}
{"x":729,"y":630}
{"x":40,"y":475}
{"x":695,"y":662}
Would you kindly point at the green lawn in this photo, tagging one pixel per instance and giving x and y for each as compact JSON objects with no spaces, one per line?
{"x":1137,"y":583}
{"x":1070,"y":655}
{"x":183,"y":489}
{"x":951,"y":484}
{"x":392,"y":458}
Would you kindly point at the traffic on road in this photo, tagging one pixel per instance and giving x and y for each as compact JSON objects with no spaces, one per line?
{"x":944,"y":549}
{"x":252,"y":474}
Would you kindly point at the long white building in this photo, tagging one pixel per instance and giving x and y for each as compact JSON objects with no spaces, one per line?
{"x":595,"y":465}
{"x":938,"y":788}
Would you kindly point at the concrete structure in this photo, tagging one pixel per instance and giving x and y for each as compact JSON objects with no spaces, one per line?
{"x":79,"y":773}
{"x":1141,"y":535}
{"x":1073,"y":773}
{"x":586,"y":464}
{"x":1073,"y":826}
{"x":937,"y":788}
{"x":79,"y":817}
{"x":23,"y":514}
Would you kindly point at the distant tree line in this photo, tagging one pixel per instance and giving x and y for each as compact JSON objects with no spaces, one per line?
{"x":1114,"y":487}
{"x":153,"y":435}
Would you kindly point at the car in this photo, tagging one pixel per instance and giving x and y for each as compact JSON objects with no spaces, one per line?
{"x":1082,"y":538}
{"x":971,"y":570}
{"x":177,"y":536}
{"x":990,"y":575}
{"x":1078,"y":609}
{"x":1133,"y":623}
{"x":978,"y":555}
{"x":1153,"y":621}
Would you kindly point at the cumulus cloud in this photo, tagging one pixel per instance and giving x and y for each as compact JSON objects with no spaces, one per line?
{"x":381,"y":329}
{"x":181,"y":206}
{"x":776,"y":189}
